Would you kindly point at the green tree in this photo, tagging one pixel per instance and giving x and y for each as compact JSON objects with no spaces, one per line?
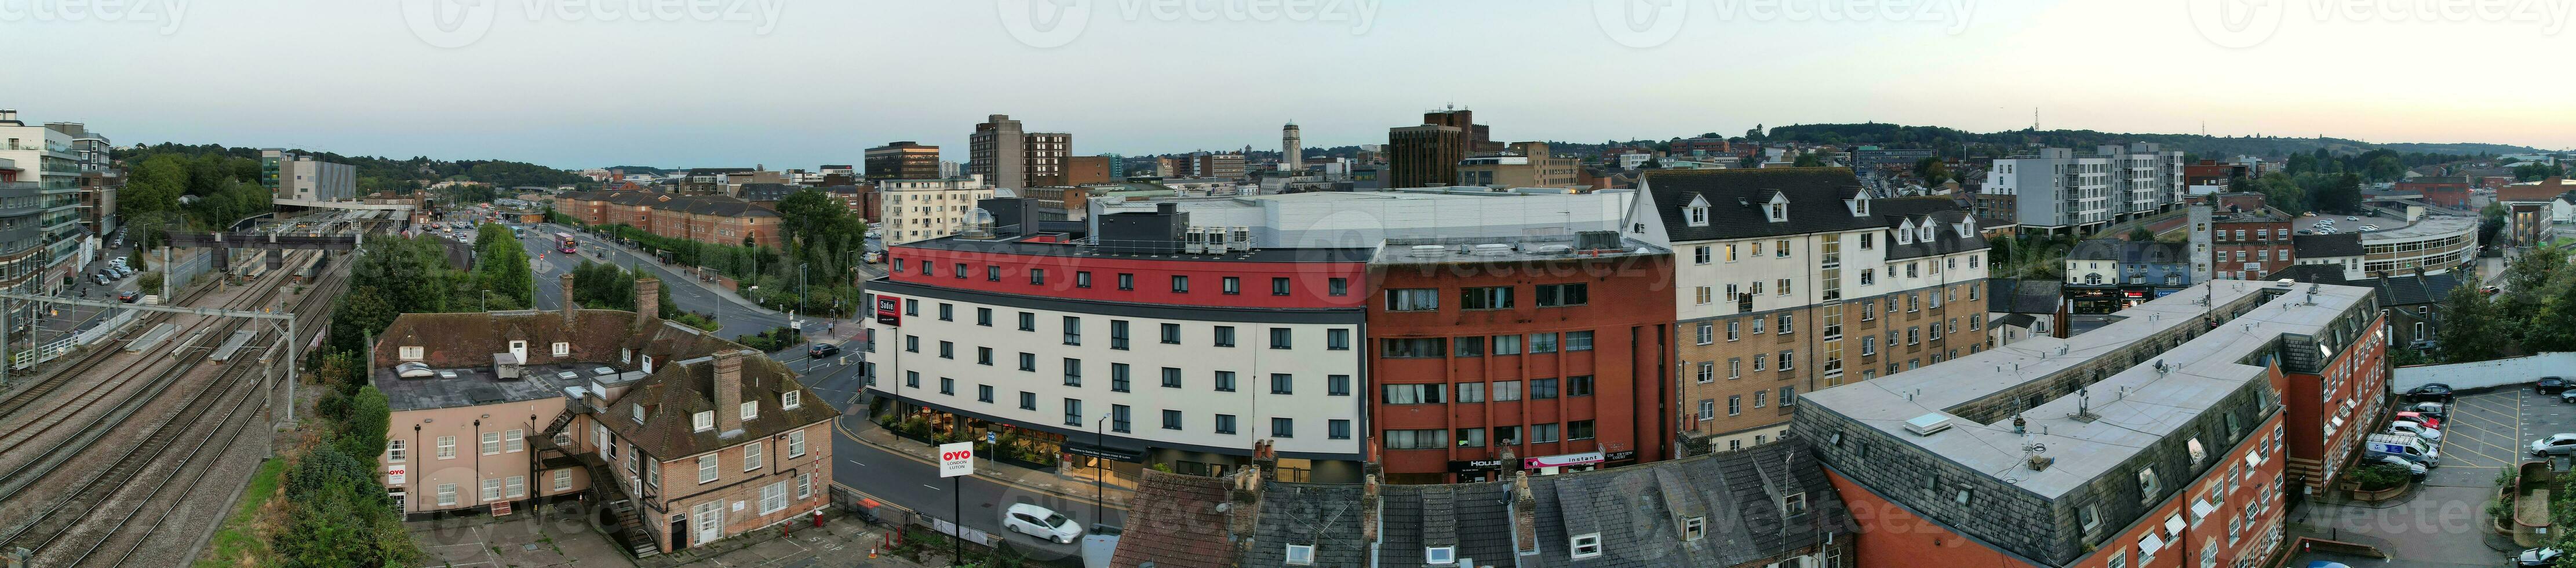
{"x":2141,"y":234}
{"x":363,"y":433}
{"x":2534,"y":172}
{"x":2473,"y":328}
{"x":1932,"y":170}
{"x":1809,"y":160}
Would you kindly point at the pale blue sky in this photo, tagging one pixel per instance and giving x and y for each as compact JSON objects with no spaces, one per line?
{"x":796,"y":83}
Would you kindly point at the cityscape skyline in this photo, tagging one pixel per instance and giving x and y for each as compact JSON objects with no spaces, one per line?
{"x":800,"y":84}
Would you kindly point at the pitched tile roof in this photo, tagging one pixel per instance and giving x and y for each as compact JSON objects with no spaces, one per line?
{"x":2395,"y":290}
{"x":1186,"y":505}
{"x":1736,"y":198}
{"x":676,"y":391}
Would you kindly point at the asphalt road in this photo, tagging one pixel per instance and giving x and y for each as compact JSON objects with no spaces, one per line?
{"x":551,"y":263}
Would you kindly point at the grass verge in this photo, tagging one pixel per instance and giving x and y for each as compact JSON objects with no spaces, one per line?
{"x":243,"y":540}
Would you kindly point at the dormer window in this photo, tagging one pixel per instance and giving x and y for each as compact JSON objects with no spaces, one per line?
{"x":1696,"y":212}
{"x":791,"y":400}
{"x":703,"y":421}
{"x":1440,"y":555}
{"x":1793,"y":504}
{"x":1778,"y":210}
{"x":411,"y":353}
{"x":750,"y":410}
{"x":1905,"y":233}
{"x":1586,"y":545}
{"x":1926,"y":228}
{"x":1968,"y":227}
{"x":562,"y":348}
{"x":638,"y":412}
{"x":1695,"y":528}
{"x":1859,"y":204}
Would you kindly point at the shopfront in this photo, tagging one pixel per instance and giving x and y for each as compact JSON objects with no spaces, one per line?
{"x":2095,"y":301}
{"x":1563,"y":463}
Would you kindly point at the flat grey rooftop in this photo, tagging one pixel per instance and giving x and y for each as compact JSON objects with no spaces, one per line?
{"x":2135,"y":407}
{"x":474,"y":386}
{"x":2429,"y":226}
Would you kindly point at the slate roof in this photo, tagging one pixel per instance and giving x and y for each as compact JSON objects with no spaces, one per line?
{"x":676,"y":391}
{"x":1637,"y":510}
{"x":2395,"y":290}
{"x":1185,"y":504}
{"x":2008,"y":295}
{"x":1737,"y":198}
{"x":2131,"y":252}
{"x":2322,"y":246}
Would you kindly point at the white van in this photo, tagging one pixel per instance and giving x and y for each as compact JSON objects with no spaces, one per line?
{"x":2404,"y":446}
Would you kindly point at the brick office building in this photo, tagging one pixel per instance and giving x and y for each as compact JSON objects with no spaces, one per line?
{"x":1789,"y":280}
{"x":707,"y":219}
{"x":2160,"y":440}
{"x":2248,"y":245}
{"x":2452,"y":192}
{"x":1551,"y":357}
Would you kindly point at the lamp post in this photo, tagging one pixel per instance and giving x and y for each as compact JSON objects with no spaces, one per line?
{"x":487,"y":300}
{"x":800,"y":287}
{"x":1099,"y":469}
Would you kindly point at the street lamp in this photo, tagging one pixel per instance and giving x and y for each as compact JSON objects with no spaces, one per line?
{"x":487,"y":300}
{"x":1099,"y":469}
{"x":800,"y":287}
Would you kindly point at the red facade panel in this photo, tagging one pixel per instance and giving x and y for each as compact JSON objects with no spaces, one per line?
{"x":1310,"y":284}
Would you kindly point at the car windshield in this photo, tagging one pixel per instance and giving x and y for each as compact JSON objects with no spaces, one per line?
{"x":1057,"y":521}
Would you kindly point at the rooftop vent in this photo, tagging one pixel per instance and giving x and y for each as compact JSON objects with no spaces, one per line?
{"x":1429,"y":251}
{"x":1928,"y":424}
{"x":1492,"y":249}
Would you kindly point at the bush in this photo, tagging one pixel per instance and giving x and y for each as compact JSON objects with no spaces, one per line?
{"x":773,"y":340}
{"x":2380,"y":476}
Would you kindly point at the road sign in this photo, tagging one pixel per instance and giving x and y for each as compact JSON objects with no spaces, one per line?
{"x":889,"y":310}
{"x":956,"y":459}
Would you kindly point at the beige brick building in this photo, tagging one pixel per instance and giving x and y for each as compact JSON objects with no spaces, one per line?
{"x":1789,"y":280}
{"x":699,"y":437}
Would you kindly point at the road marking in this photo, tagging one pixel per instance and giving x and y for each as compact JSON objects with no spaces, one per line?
{"x":931,"y":488}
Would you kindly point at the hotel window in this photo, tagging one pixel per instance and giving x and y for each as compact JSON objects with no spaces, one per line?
{"x":1224,"y":336}
{"x":1278,"y":286}
{"x":1412,"y":299}
{"x":1337,"y":287}
{"x":984,"y":317}
{"x":1180,"y":284}
{"x":1028,"y":321}
{"x":992,"y":273}
{"x":1073,"y":412}
{"x":1232,"y":285}
{"x":1171,"y":420}
{"x":1225,"y":424}
{"x":1072,"y":372}
{"x":960,"y":271}
{"x":1485,"y":298}
{"x":1171,"y":377}
{"x":1037,"y":276}
{"x":1337,"y":339}
{"x":1082,"y":279}
{"x":1225,"y":381}
{"x":1279,"y":338}
{"x":1559,"y":295}
{"x":1118,"y":334}
{"x":1072,"y":330}
{"x":1283,"y":427}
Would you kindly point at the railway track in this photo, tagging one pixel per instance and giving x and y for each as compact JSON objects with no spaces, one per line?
{"x":171,"y":485}
{"x":19,"y":399}
{"x":47,"y":525}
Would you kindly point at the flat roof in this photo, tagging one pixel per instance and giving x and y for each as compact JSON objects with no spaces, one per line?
{"x":2430,"y":226}
{"x":2134,"y":408}
{"x":474,"y":386}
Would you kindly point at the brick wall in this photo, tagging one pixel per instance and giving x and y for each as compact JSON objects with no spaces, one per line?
{"x":1961,"y":316}
{"x":681,"y":493}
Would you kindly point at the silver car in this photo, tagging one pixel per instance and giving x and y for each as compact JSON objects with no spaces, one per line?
{"x":2554,"y":444}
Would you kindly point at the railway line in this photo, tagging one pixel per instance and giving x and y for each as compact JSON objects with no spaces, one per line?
{"x":18,"y":400}
{"x":91,"y":501}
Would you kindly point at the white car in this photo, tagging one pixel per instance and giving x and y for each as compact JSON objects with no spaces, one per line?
{"x":2554,"y":444}
{"x":2429,"y":434}
{"x":1041,"y":522}
{"x":2370,"y":227}
{"x":2352,"y":218}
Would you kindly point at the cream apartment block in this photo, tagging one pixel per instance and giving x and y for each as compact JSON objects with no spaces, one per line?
{"x":2058,"y":190}
{"x":919,"y":209}
{"x":1790,"y":280}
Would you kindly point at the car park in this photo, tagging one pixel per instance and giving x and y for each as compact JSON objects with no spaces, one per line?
{"x":1041,"y":522}
{"x":2430,"y":434}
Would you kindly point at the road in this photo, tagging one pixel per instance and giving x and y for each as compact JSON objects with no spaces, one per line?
{"x":734,"y":319}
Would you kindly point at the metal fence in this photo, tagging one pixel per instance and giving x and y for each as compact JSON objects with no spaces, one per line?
{"x":184,"y":267}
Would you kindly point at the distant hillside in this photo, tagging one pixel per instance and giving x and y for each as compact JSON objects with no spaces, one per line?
{"x":376,"y":173}
{"x":1959,"y":143}
{"x":639,"y":169}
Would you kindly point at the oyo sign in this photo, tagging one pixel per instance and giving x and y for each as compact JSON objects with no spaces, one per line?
{"x":956,"y":459}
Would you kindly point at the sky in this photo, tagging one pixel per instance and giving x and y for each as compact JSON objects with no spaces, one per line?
{"x":799,"y":83}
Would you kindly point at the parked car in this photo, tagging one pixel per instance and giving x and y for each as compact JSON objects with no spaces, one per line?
{"x":128,"y":296}
{"x":2430,"y":391}
{"x":100,"y":278}
{"x":2550,"y":385}
{"x":2352,"y":218}
{"x":2554,"y":444}
{"x":2415,"y":469}
{"x":2420,"y":418}
{"x":2567,"y":396}
{"x":2429,"y":434}
{"x":2433,"y":409}
{"x":1041,"y":522}
{"x":821,"y":350}
{"x":2537,"y":557}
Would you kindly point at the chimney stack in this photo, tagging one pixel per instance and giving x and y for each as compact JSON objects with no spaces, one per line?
{"x":648,"y":303}
{"x":1524,"y":514}
{"x":728,"y":395}
{"x":568,"y":306}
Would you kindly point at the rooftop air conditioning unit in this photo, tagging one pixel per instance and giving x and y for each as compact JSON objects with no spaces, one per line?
{"x":1216,"y":240}
{"x":1242,"y":240}
{"x":1196,"y":241}
{"x":1928,"y":424}
{"x":1493,"y":249}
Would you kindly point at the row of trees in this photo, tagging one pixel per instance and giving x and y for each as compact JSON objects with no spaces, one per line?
{"x":2337,"y":192}
{"x":502,"y":269}
{"x":821,"y":245}
{"x":379,"y":173}
{"x":2535,"y":312}
{"x":189,"y":192}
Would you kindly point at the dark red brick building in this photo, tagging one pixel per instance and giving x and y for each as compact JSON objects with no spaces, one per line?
{"x":2450,"y":192}
{"x":2248,"y":246}
{"x":1550,"y":363}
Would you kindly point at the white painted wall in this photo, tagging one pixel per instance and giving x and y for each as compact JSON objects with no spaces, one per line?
{"x":2487,"y":374}
{"x":1251,"y":359}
